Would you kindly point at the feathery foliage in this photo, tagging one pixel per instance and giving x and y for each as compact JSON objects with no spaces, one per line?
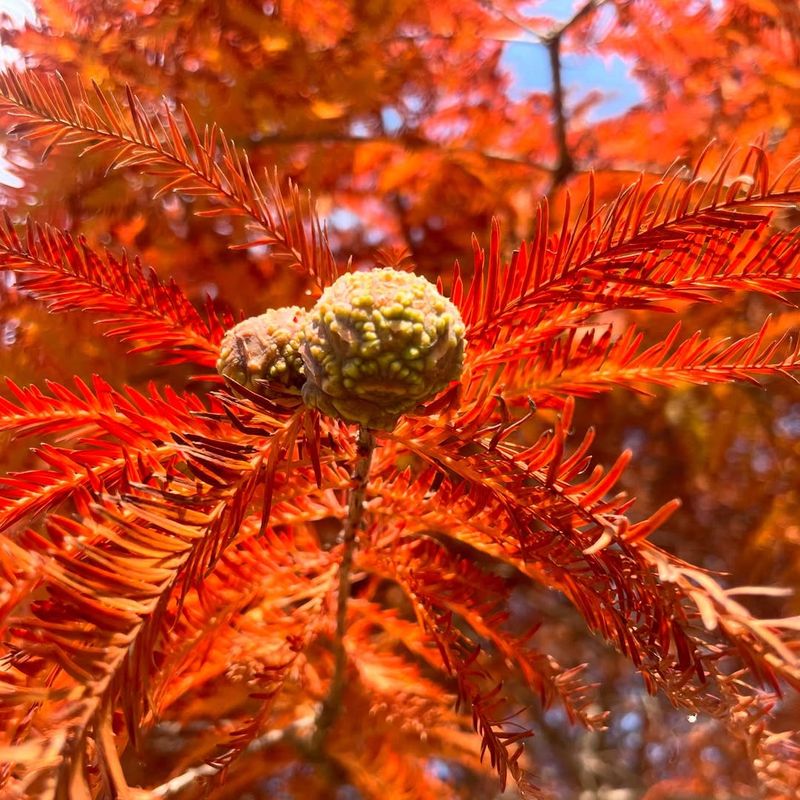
{"x":290,"y":598}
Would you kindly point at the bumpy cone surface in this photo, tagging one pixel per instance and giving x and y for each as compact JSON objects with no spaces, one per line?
{"x":266,"y":347}
{"x":378,"y":344}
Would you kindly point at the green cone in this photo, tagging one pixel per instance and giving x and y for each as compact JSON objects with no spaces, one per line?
{"x":379,"y":343}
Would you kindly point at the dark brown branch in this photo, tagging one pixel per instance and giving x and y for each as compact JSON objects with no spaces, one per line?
{"x":394,"y":198}
{"x":410,"y":141}
{"x":565,"y":165}
{"x":355,"y":513}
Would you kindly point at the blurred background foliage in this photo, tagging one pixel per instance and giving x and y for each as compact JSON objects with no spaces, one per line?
{"x":413,"y":125}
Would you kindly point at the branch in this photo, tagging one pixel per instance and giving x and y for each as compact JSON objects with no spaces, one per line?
{"x":565,"y":165}
{"x":583,"y":12}
{"x":270,"y":738}
{"x":411,"y":140}
{"x":332,"y":705}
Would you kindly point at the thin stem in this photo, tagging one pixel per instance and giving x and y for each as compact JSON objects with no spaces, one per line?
{"x":355,"y":513}
{"x":411,"y":141}
{"x":565,"y":166}
{"x":194,"y":774}
{"x":539,"y":36}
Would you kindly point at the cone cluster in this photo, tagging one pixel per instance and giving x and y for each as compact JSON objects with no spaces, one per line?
{"x":375,"y":346}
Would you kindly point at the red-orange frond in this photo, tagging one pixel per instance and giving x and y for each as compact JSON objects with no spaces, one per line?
{"x":229,"y":593}
{"x":71,"y":475}
{"x":500,"y":736}
{"x":477,"y":596}
{"x":139,"y":308}
{"x":122,"y":438}
{"x":584,"y":364}
{"x":407,"y":714}
{"x":606,"y":252}
{"x":244,"y":577}
{"x":586,"y":541}
{"x":207,"y":165}
{"x":118,"y":569}
{"x":555,"y":549}
{"x":95,"y":409}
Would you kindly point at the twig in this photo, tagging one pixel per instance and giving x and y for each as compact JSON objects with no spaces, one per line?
{"x":543,"y":38}
{"x":565,"y":165}
{"x":584,"y":11}
{"x":411,"y":141}
{"x":179,"y":782}
{"x":332,"y":704}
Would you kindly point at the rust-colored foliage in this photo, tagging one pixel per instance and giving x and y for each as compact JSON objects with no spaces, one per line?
{"x":210,"y":591}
